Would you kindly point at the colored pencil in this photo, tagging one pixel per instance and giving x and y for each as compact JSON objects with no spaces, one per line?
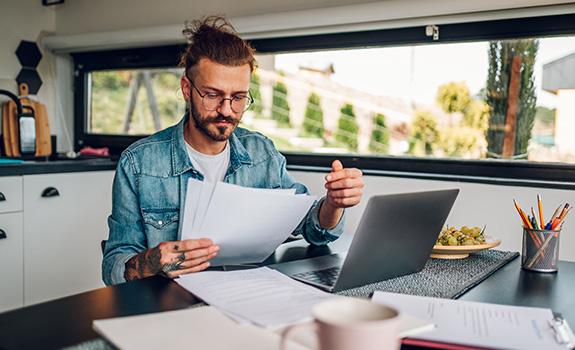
{"x":541,"y":222}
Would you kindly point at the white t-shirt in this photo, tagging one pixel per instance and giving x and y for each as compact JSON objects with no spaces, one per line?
{"x":214,"y":167}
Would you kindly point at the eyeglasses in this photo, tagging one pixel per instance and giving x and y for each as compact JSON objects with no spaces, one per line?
{"x":212,"y":101}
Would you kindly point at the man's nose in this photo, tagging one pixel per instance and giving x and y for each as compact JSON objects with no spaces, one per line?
{"x":225,"y":108}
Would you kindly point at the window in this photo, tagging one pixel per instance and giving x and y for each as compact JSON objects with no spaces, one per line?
{"x":388,"y":101}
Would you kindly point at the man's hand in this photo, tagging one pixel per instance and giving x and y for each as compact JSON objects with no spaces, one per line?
{"x":344,"y":190}
{"x":172,"y":259}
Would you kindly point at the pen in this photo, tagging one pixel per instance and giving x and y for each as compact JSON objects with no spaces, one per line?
{"x":560,"y":222}
{"x":564,"y":210}
{"x":555,"y":214}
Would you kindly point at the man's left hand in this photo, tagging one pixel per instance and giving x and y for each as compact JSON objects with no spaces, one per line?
{"x":344,"y":189}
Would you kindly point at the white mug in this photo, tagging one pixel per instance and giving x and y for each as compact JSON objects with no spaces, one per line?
{"x":349,"y":323}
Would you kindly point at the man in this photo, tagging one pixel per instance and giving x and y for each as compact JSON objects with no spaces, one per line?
{"x":152,"y":175}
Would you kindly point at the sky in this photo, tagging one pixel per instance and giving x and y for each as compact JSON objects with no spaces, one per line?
{"x":415,"y":73}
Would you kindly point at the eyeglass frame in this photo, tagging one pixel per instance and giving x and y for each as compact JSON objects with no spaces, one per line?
{"x":249,"y":96}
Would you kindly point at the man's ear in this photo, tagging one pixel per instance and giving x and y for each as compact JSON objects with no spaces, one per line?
{"x":185,"y":85}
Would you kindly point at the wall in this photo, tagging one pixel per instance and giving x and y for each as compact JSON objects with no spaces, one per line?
{"x":24,"y":20}
{"x":476,"y":205}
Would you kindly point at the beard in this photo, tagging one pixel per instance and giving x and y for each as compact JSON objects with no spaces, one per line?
{"x":207,"y":125}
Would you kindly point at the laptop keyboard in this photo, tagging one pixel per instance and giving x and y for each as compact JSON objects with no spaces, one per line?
{"x":326,"y":276}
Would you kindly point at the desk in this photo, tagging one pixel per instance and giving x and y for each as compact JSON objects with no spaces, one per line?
{"x":68,"y":321}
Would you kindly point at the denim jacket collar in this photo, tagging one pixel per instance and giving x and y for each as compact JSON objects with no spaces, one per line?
{"x":181,"y":162}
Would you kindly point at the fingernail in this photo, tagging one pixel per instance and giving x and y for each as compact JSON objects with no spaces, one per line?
{"x":328,"y":178}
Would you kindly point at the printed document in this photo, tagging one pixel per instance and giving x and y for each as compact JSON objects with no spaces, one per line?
{"x":477,"y":324}
{"x":248,"y":223}
{"x":262,"y":296}
{"x":194,"y":328}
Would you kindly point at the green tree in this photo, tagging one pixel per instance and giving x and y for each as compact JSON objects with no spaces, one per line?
{"x":313,"y":120}
{"x":379,"y":142}
{"x":424,"y":133}
{"x":257,"y":107}
{"x":476,"y":116}
{"x":347,"y":129}
{"x":280,"y":106}
{"x":501,"y":54}
{"x":453,"y":97}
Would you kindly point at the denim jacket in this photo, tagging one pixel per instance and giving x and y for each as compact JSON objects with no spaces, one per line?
{"x":150,"y":184}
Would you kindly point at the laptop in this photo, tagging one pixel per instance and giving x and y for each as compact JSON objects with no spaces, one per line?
{"x":394,"y":238}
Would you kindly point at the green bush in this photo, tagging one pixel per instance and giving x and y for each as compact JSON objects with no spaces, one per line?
{"x":257,"y":106}
{"x":347,"y":129}
{"x":379,"y":142}
{"x":424,"y":133}
{"x":313,"y":120}
{"x":280,"y":106}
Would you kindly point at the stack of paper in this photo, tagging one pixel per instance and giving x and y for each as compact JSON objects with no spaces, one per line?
{"x":197,"y":328}
{"x":470,"y":325}
{"x":248,"y":223}
{"x":261,"y":296}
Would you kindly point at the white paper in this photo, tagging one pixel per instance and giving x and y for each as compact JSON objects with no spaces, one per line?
{"x":477,"y":324}
{"x":263,"y":296}
{"x":248,"y":223}
{"x":195,"y":328}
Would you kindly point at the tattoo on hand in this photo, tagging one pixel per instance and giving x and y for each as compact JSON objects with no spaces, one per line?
{"x":143,"y":265}
{"x":182,"y":257}
{"x":171,"y":267}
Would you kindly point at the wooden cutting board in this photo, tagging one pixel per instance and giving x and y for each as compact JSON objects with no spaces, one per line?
{"x":10,"y":129}
{"x":10,"y":125}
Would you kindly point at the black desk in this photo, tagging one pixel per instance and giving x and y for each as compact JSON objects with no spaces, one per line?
{"x":68,"y":321}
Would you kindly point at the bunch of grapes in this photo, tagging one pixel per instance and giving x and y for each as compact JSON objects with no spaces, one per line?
{"x":464,"y":236}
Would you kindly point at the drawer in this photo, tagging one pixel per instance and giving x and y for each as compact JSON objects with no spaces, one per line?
{"x":11,"y":194}
{"x":11,"y":262}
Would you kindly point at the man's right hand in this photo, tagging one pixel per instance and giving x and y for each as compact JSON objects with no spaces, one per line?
{"x":172,"y":259}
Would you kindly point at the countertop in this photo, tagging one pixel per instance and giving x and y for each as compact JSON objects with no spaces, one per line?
{"x":58,"y":165}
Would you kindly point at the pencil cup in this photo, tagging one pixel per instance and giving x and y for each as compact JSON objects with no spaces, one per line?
{"x":540,"y":250}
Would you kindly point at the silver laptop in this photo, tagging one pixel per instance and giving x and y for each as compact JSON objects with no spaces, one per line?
{"x":394,"y":237}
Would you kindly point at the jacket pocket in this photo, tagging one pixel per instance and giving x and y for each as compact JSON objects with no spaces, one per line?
{"x":161,"y":224}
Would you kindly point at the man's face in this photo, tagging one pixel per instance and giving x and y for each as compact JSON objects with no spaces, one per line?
{"x":226,"y":81}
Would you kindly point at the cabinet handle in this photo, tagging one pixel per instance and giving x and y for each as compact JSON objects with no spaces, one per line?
{"x":2,"y":234}
{"x":50,"y":192}
{"x":2,"y":197}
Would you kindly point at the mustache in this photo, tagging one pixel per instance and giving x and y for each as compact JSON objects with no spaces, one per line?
{"x":221,"y":118}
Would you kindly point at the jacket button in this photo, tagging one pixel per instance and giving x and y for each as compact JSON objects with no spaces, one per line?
{"x":160,"y":222}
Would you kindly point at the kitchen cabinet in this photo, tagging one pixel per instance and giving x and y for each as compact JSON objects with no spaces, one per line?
{"x":11,"y":244}
{"x":54,"y":224}
{"x":65,"y":220}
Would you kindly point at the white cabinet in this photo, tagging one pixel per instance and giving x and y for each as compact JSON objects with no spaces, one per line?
{"x":65,"y":220}
{"x":11,"y":241}
{"x":53,"y":226}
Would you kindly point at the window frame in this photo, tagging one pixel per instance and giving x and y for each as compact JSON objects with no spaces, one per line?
{"x":518,"y":173}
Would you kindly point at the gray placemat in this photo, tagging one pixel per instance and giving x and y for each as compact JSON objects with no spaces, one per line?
{"x":441,"y":278}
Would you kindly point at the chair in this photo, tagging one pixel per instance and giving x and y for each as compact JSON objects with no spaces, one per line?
{"x":103,"y":245}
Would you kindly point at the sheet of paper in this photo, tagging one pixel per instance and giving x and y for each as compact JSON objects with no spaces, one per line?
{"x":477,"y":324}
{"x":196,"y":328}
{"x":247,"y":223}
{"x":263,"y":296}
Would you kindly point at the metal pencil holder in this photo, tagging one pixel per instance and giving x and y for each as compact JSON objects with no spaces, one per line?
{"x":540,"y":250}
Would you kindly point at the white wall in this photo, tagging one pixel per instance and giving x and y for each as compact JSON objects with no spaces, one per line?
{"x":26,"y":20}
{"x":476,"y":205}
